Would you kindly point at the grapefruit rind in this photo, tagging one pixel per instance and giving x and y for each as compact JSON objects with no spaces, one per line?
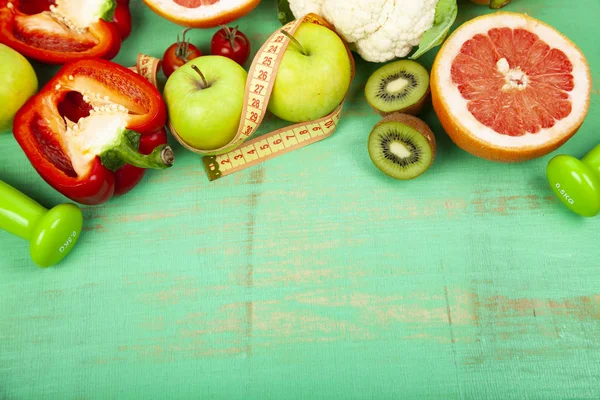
{"x":204,"y":16}
{"x":482,"y":141}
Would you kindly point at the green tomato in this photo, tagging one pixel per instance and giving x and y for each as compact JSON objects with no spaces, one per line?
{"x":19,"y":83}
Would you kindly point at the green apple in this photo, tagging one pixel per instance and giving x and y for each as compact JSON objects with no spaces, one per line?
{"x":313,"y":78}
{"x":204,"y":99}
{"x":18,"y":82}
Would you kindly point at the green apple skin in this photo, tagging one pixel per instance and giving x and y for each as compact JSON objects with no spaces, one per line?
{"x":19,"y":83}
{"x":311,"y":86}
{"x":206,"y":118}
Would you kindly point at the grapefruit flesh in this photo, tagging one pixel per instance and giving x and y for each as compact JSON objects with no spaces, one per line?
{"x":202,"y":13}
{"x":508,"y":87}
{"x":195,"y":3}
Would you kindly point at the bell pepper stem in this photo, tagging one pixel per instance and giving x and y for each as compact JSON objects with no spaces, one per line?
{"x":124,"y":152}
{"x":161,"y":157}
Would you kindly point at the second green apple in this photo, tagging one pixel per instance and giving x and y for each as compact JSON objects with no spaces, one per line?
{"x":313,"y":78}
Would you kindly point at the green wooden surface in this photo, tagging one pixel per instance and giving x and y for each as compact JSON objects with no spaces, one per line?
{"x":313,"y":275}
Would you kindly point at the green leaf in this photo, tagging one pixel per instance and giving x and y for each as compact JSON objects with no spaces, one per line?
{"x":284,"y":13}
{"x":445,"y":15}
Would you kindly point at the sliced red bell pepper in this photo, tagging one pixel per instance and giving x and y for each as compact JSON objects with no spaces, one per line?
{"x":35,"y":6}
{"x":128,"y":176}
{"x":31,"y":29}
{"x":86,"y":123}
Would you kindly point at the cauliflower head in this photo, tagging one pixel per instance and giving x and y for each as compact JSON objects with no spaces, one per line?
{"x":303,"y":7}
{"x":378,"y":30}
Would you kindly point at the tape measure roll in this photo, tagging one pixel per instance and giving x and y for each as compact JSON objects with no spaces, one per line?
{"x":147,"y":67}
{"x":242,"y":153}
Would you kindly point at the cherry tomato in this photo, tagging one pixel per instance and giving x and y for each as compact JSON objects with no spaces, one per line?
{"x":122,"y":18}
{"x":230,"y":43}
{"x":178,"y":54}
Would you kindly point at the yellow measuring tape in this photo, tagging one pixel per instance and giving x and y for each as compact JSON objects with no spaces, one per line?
{"x":147,"y":67}
{"x":242,"y":153}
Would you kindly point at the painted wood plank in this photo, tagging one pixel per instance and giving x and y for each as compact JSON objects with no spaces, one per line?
{"x":313,"y":275}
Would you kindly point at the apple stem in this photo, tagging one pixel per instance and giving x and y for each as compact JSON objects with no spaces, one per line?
{"x":296,"y":42}
{"x":204,"y":83}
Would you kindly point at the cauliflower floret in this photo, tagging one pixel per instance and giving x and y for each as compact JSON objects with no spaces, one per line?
{"x":401,"y":32}
{"x":302,"y":7}
{"x":354,"y":21}
{"x":379,"y":30}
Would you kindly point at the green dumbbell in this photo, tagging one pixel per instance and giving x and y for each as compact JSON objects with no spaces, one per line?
{"x":577,"y":182}
{"x":51,"y":233}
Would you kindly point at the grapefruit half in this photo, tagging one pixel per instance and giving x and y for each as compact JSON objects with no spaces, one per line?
{"x":201,"y":13}
{"x":508,"y":87}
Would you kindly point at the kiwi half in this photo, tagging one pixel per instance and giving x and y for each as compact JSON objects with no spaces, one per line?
{"x":402,"y":146}
{"x":400,"y":86}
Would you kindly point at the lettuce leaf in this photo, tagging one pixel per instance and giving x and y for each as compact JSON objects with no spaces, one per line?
{"x":445,"y":15}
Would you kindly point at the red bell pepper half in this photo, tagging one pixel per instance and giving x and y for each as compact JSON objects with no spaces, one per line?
{"x":87,"y":123}
{"x":59,"y":31}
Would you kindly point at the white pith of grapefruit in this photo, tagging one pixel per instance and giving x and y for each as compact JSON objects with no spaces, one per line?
{"x":202,"y":13}
{"x":517,"y":100}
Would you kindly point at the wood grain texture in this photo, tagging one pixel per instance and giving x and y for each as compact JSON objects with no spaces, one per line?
{"x":313,"y":275}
